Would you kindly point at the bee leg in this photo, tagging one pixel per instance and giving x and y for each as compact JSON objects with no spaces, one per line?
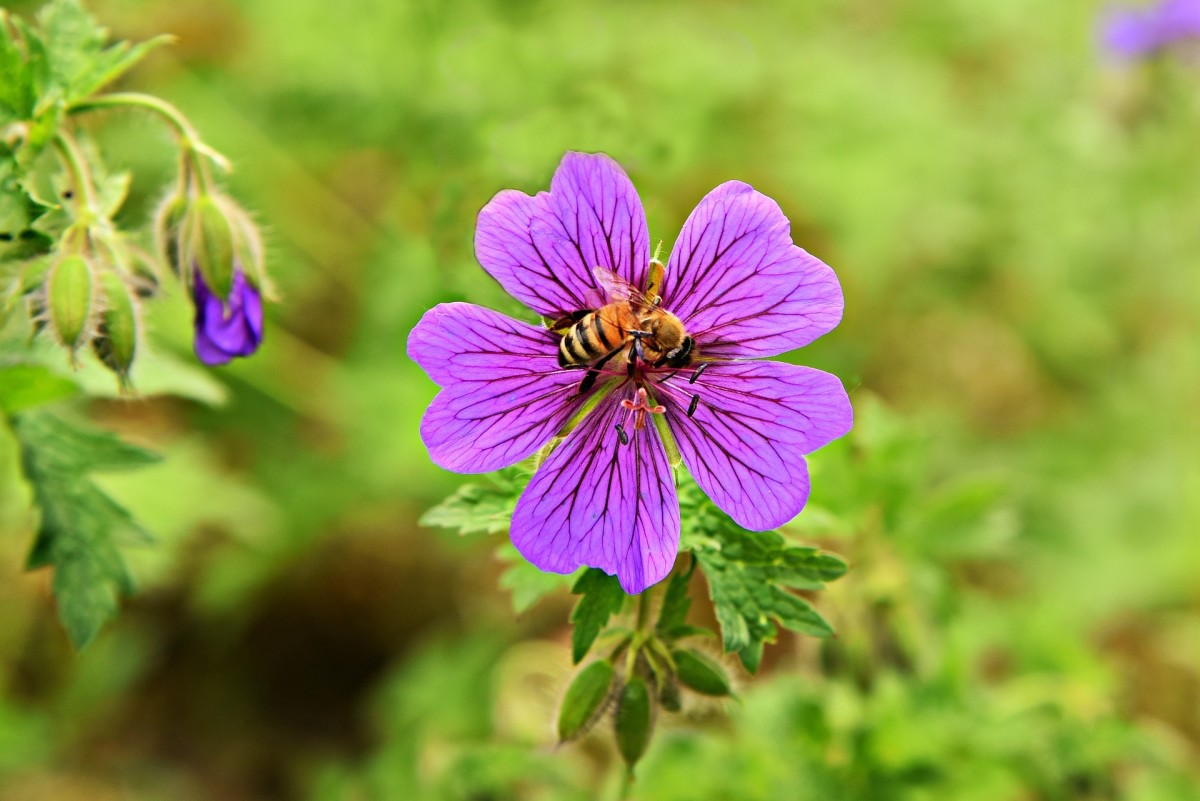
{"x":692,"y":406}
{"x":593,"y":372}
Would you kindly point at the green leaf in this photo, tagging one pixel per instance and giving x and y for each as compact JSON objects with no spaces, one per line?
{"x":676,"y":601}
{"x":17,"y":93}
{"x":527,"y":584}
{"x":18,"y":212}
{"x":602,"y":598}
{"x":480,"y":508}
{"x":80,"y":62}
{"x":80,"y":526}
{"x":24,"y":386}
{"x":750,"y":575}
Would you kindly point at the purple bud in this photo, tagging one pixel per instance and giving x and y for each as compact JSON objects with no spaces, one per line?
{"x":227,"y":329}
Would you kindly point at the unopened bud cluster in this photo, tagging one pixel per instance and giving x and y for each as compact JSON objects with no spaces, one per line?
{"x":215,"y":249}
{"x":643,"y":674}
{"x":87,"y":292}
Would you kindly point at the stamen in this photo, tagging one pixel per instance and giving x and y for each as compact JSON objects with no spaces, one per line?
{"x":699,"y":370}
{"x":640,"y":408}
{"x":621,"y":435}
{"x":692,"y":406}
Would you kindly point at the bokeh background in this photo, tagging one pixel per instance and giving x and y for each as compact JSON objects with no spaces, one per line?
{"x":1015,"y":219}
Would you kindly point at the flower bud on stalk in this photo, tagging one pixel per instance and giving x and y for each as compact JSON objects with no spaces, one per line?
{"x":116,"y":339}
{"x":168,"y":226}
{"x":584,"y":699}
{"x":697,"y":672}
{"x":71,"y":301}
{"x":669,"y":696}
{"x":208,"y":245}
{"x":632,"y":720}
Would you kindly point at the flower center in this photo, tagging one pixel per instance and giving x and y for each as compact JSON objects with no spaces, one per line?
{"x":637,"y":409}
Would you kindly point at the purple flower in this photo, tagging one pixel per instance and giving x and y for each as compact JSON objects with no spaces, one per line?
{"x":1139,"y":32}
{"x":227,"y":329}
{"x":605,"y":496}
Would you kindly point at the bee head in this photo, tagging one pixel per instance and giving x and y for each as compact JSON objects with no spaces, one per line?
{"x":666,"y":329}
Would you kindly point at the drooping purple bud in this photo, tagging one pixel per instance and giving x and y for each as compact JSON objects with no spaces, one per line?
{"x":227,"y":329}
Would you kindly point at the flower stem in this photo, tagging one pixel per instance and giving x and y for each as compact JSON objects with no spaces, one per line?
{"x":189,"y":139}
{"x":643,"y":611}
{"x":73,"y":160}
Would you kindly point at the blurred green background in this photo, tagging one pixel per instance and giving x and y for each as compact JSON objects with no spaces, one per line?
{"x":1016,"y":223}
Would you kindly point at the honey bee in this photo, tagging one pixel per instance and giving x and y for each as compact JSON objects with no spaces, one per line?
{"x":632,"y":324}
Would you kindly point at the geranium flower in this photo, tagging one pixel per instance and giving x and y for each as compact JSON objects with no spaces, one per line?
{"x":605,"y":496}
{"x":1140,"y":32}
{"x":230,"y":328}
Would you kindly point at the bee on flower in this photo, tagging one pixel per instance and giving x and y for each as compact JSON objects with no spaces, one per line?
{"x":638,"y":360}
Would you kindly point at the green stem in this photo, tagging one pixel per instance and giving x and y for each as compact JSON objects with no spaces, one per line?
{"x":138,"y":100}
{"x":76,"y":165}
{"x":189,"y":138}
{"x":643,"y":611}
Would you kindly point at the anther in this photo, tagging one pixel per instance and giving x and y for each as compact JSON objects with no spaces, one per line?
{"x":692,"y":406}
{"x":621,"y":435}
{"x":699,"y":370}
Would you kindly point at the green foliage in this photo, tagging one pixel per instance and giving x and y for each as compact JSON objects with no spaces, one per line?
{"x":602,"y":597}
{"x":80,"y":526}
{"x":1012,"y":219}
{"x":676,"y":602}
{"x":24,"y":386}
{"x":480,"y":508}
{"x":750,"y":576}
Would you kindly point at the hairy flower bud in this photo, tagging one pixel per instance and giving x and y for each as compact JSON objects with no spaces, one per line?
{"x":116,"y":338}
{"x":168,"y":227}
{"x":208,"y":245}
{"x":697,"y":672}
{"x":248,"y":245}
{"x":668,"y":695}
{"x":632,"y":720}
{"x":71,"y":300}
{"x":584,"y":698}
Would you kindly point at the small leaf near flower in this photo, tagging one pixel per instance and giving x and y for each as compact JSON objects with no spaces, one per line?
{"x":602,"y":598}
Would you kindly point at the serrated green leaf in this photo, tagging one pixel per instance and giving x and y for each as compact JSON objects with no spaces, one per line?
{"x":80,"y":62}
{"x":750,"y":578}
{"x":480,"y":508}
{"x":18,"y":212}
{"x":16,"y":84}
{"x":24,"y":386}
{"x":527,"y":584}
{"x":602,"y":598}
{"x":66,"y":449}
{"x":79,"y":526}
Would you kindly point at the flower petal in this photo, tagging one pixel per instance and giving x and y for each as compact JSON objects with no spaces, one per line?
{"x":753,"y":423}
{"x":599,"y":503}
{"x":504,"y":394}
{"x":740,"y":286}
{"x":542,"y":249}
{"x":601,"y":214}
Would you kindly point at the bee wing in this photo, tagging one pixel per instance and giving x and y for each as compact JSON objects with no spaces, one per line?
{"x":619,"y":289}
